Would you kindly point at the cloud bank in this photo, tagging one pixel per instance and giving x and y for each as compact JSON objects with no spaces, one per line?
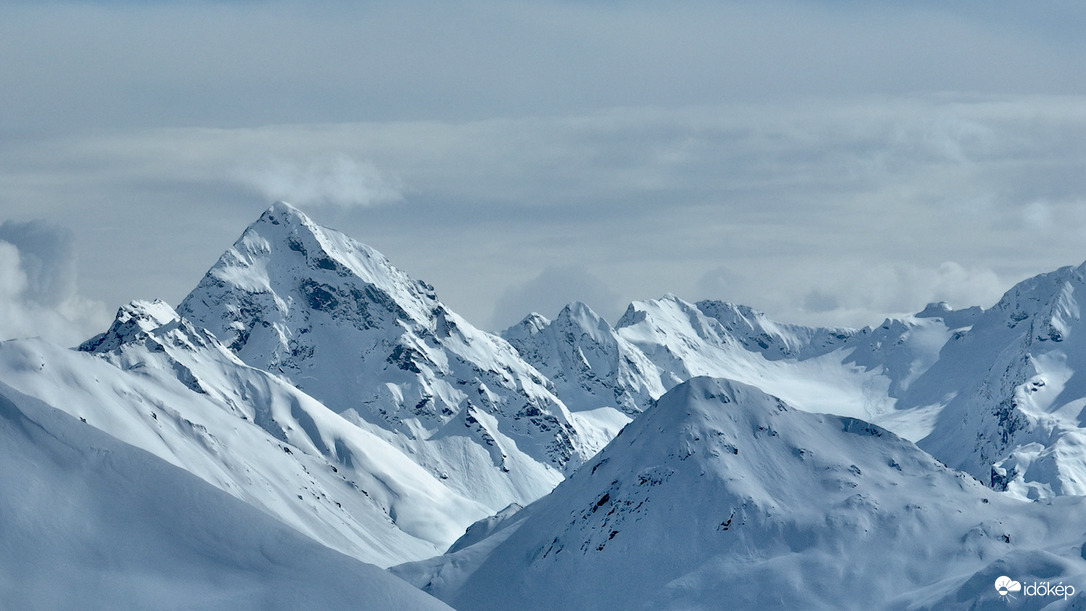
{"x":38,"y":292}
{"x":824,"y":161}
{"x":821,"y":212}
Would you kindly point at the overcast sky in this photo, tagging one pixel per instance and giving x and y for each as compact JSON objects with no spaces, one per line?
{"x":826,"y":161}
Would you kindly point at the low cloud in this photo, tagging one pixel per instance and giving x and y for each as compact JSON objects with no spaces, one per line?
{"x":790,"y":197}
{"x":39,"y":296}
{"x":327,"y":181}
{"x":856,"y":294}
{"x":552,"y":290}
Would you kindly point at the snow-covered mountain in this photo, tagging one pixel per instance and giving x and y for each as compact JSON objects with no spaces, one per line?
{"x":310,"y":382}
{"x":90,"y":522}
{"x":590,"y":365}
{"x":338,"y":321}
{"x":1013,"y":390}
{"x":658,"y":344}
{"x":992,"y":392}
{"x":723,"y":496}
{"x":170,"y":389}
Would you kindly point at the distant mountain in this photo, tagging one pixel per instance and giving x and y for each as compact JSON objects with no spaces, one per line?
{"x":658,"y":344}
{"x":90,"y":522}
{"x":723,"y":496}
{"x":996,"y":393}
{"x":590,"y":365}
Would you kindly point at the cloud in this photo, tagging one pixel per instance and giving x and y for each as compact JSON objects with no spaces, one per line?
{"x":552,"y":290}
{"x":334,"y":180}
{"x":38,"y":291}
{"x":789,"y":197}
{"x":855,"y":293}
{"x":46,"y":258}
{"x":258,"y":63}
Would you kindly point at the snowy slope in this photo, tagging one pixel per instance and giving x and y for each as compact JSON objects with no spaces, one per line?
{"x":1013,"y":387}
{"x":997,"y":393}
{"x":723,"y":496}
{"x":660,"y":343}
{"x":338,"y":321}
{"x":172,"y":390}
{"x":89,"y":522}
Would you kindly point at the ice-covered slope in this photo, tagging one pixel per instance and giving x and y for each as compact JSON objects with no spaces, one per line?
{"x":337,"y":320}
{"x":89,"y":522}
{"x":723,"y":496}
{"x":1014,"y":390}
{"x":173,"y":390}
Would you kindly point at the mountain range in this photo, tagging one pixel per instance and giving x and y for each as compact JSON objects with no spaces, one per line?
{"x":310,"y":400}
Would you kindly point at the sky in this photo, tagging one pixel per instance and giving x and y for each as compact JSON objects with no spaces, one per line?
{"x":829,"y":162}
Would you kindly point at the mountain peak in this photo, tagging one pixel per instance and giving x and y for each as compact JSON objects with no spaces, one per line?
{"x":589,"y":364}
{"x":140,"y":320}
{"x":579,"y":315}
{"x":281,"y":209}
{"x":722,"y":492}
{"x":341,"y":323}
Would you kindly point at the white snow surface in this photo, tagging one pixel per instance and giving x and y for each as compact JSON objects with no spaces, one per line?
{"x":721,"y":496}
{"x":89,"y":522}
{"x":172,"y":390}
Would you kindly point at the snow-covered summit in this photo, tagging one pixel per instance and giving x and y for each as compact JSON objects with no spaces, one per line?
{"x":284,"y":266}
{"x":340,"y":322}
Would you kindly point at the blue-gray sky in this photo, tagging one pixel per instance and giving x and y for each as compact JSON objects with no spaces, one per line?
{"x":829,"y":162}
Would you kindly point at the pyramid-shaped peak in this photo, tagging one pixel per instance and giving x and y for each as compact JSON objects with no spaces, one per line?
{"x":281,"y":212}
{"x":284,"y":215}
{"x":284,"y":225}
{"x":285,"y":271}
